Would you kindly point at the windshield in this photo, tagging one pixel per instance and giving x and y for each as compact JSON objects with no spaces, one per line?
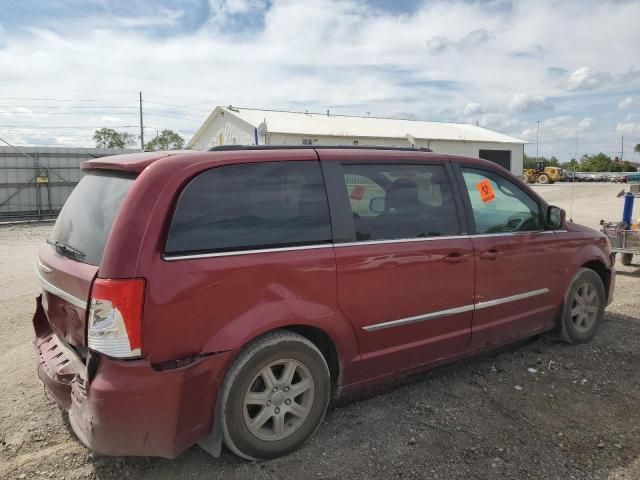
{"x":85,"y":221}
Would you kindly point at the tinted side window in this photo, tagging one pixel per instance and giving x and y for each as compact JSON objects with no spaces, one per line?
{"x":499,"y":205}
{"x":249,"y":206}
{"x":400,"y":201}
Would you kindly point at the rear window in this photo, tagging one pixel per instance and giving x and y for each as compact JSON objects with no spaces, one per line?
{"x":85,"y":221}
{"x":252,"y":206}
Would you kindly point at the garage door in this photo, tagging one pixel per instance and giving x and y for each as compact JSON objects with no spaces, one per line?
{"x":501,"y":157}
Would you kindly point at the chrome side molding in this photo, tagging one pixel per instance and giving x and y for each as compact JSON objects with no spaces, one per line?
{"x":454,"y":311}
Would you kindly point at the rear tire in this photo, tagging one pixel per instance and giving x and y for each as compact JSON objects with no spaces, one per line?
{"x":274,"y":396}
{"x":583,"y":308}
{"x":543,"y":178}
{"x":626,"y":259}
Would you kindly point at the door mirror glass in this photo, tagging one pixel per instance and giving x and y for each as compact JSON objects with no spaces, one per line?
{"x":555,"y":217}
{"x":376,"y":205}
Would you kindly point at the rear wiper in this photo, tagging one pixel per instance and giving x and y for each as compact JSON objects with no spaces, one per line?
{"x":65,"y":249}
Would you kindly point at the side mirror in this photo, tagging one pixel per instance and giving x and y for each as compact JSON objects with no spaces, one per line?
{"x":377,"y":204}
{"x":555,"y":217}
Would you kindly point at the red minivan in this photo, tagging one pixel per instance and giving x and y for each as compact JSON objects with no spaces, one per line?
{"x":226,"y":296}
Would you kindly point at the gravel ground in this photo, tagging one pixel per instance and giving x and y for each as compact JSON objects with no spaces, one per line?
{"x":539,"y":410}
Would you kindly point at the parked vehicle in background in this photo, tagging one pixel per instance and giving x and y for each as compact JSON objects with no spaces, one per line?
{"x":543,"y":173}
{"x":226,"y":296}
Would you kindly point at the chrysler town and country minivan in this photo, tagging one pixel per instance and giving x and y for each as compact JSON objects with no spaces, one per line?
{"x":225,"y":297}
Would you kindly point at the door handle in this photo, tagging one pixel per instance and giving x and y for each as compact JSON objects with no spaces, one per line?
{"x":455,"y":257}
{"x":490,"y":254}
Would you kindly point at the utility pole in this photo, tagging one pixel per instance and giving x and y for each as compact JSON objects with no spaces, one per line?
{"x":537,"y":137}
{"x":141,"y":126}
{"x":622,"y":150}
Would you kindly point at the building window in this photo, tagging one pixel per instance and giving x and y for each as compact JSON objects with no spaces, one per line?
{"x":307,"y":141}
{"x":356,"y":142}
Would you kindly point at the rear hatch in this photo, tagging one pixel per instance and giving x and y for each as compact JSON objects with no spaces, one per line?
{"x":67,"y":265}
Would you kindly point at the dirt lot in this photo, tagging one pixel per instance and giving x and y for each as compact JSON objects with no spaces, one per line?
{"x":540,"y":410}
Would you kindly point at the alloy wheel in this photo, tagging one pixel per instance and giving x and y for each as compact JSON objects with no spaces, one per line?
{"x":584,"y":308}
{"x":278,"y":400}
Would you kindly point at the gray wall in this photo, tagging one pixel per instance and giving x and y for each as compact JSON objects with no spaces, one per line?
{"x":22,"y":197}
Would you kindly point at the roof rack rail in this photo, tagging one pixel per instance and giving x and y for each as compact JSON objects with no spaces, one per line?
{"x":227,"y":148}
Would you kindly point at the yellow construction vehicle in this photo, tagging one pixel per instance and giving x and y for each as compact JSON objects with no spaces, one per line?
{"x":542,"y":173}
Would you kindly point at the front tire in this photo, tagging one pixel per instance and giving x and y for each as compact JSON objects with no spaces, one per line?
{"x":543,"y":178}
{"x":274,"y":396}
{"x":583,"y":309}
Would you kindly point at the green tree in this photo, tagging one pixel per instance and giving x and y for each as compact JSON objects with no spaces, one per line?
{"x":167,"y":140}
{"x":637,"y":148}
{"x":109,"y":138}
{"x":596,"y":163}
{"x":570,"y":164}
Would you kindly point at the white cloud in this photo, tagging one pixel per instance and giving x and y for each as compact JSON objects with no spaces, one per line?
{"x":585,"y":124}
{"x":585,"y":78}
{"x":473,"y":109}
{"x":107,"y":119}
{"x":447,"y":60}
{"x":628,"y":127}
{"x":165,"y":17}
{"x":560,"y":128}
{"x":498,"y":121}
{"x":525,"y":103}
{"x":625,"y":103}
{"x":473,"y":39}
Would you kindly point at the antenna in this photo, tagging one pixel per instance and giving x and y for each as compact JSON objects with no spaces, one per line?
{"x":141,"y":125}
{"x":263,"y":130}
{"x":573,"y":186}
{"x":537,"y":137}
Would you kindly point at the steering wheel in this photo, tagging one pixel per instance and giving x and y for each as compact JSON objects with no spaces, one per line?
{"x":515,"y":222}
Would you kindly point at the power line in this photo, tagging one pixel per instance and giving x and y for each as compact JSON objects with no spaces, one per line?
{"x":46,"y":127}
{"x":185,"y":107}
{"x":73,"y":113}
{"x":170,"y":116}
{"x":54,"y":107}
{"x":31,"y":99}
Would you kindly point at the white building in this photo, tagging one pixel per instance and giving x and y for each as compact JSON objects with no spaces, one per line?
{"x":246,"y":126}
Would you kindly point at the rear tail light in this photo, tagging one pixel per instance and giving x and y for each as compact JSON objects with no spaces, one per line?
{"x":115,"y":317}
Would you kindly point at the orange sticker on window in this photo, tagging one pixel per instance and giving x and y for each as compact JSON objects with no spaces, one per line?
{"x":486,"y":191}
{"x":358,"y":192}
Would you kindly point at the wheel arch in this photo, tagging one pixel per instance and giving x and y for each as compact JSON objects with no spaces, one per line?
{"x":598,"y":266}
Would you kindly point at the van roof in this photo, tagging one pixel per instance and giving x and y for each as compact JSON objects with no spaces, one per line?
{"x":137,"y":162}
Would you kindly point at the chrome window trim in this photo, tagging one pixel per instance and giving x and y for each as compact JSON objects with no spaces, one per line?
{"x":174,"y":257}
{"x":49,"y":287}
{"x":505,"y":234}
{"x":400,"y":240}
{"x":454,"y":311}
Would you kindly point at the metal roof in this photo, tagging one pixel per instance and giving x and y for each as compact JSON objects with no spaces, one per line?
{"x":321,"y":124}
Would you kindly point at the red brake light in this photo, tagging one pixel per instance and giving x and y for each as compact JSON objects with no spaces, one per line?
{"x":115,"y":317}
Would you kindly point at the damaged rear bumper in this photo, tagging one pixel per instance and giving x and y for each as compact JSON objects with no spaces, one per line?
{"x":127,"y":407}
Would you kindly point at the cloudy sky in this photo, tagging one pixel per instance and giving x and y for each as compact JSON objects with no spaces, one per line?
{"x":71,"y":66}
